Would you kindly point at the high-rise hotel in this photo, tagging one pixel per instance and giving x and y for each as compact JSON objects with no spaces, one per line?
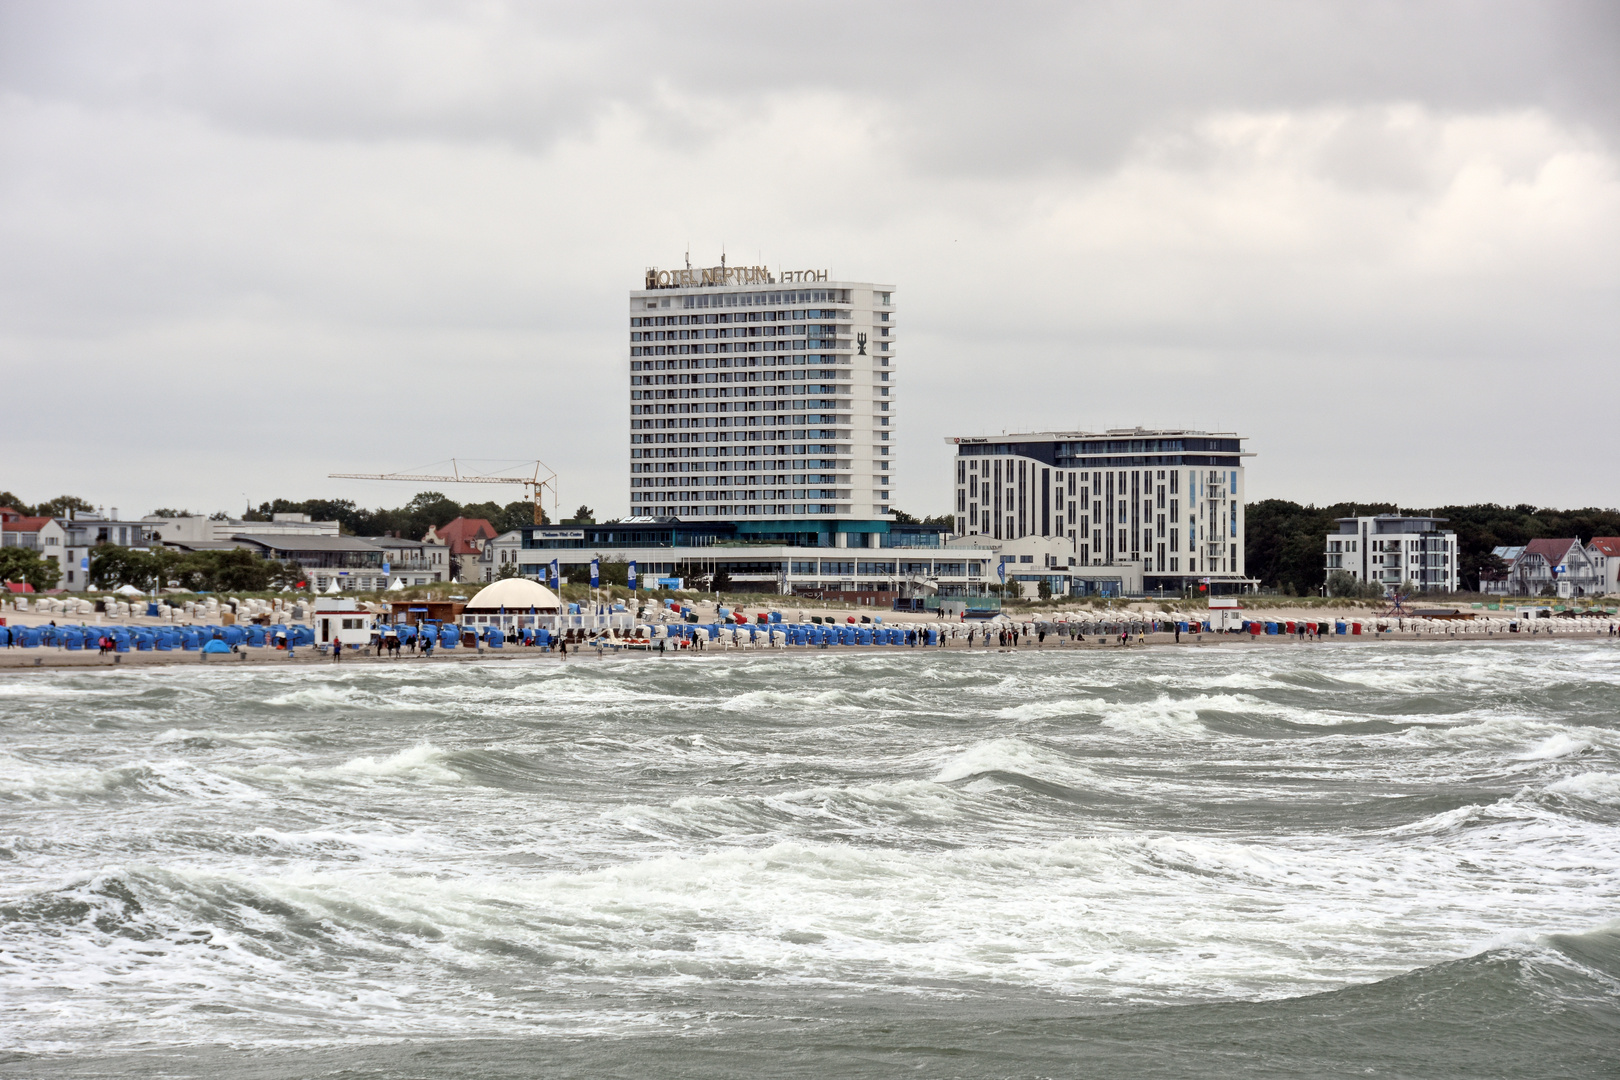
{"x":765,"y":400}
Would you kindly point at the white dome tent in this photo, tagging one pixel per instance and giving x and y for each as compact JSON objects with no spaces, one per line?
{"x":517,"y":604}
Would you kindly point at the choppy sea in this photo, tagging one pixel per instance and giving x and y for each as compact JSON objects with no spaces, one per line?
{"x":1377,"y":860}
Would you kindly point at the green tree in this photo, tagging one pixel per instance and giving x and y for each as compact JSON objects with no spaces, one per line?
{"x":583,"y":516}
{"x":164,"y":512}
{"x":8,"y":499}
{"x":942,"y":522}
{"x":508,"y":570}
{"x":1285,"y":543}
{"x":1044,"y":589}
{"x":59,"y":506}
{"x":514,"y":515}
{"x":25,"y":565}
{"x":1346,"y":585}
{"x":112,"y":566}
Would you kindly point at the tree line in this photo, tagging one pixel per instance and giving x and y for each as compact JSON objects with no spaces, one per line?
{"x":428,"y":510}
{"x":1285,"y":540}
{"x":52,"y":508}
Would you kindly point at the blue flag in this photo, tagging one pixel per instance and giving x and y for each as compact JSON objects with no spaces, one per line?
{"x":596,"y":574}
{"x":553,"y":573}
{"x":632,"y":576}
{"x":1001,"y":572}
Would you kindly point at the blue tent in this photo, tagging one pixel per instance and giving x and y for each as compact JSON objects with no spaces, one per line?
{"x":216,"y":646}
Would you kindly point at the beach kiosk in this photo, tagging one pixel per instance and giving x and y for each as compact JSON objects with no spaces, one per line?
{"x":339,"y":619}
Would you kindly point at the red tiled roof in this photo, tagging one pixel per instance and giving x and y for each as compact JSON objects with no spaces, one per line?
{"x":1551,"y":550}
{"x":26,"y":524}
{"x":1607,"y":545}
{"x":460,"y":534}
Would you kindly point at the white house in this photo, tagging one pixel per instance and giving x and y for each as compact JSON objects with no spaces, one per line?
{"x":1392,"y":549}
{"x":1604,"y":552}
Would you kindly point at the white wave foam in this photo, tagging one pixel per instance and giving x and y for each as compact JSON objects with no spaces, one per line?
{"x":757,"y":700}
{"x":1177,"y":716}
{"x":325,"y":695}
{"x":423,"y":761}
{"x":1014,"y":756}
{"x":1603,"y":787}
{"x":1045,"y":710}
{"x":166,"y":779}
{"x":1557,"y":745}
{"x":213,"y":736}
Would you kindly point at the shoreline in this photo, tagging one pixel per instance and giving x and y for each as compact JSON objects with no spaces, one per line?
{"x":57,"y":659}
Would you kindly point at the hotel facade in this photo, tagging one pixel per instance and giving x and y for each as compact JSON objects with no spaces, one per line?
{"x":766,"y":400}
{"x":1168,"y":502}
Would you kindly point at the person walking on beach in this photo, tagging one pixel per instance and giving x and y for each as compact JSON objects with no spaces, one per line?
{"x":337,"y":649}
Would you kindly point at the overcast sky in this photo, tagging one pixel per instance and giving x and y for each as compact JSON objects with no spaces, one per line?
{"x":244,"y":245}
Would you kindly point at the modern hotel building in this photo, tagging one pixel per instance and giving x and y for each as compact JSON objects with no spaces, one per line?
{"x":1169,"y":501}
{"x":766,"y":400}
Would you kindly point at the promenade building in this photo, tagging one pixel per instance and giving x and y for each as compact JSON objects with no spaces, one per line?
{"x":1393,"y":549}
{"x":768,"y":401}
{"x":1163,"y":507}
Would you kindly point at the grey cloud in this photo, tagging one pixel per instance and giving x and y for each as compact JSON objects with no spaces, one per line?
{"x":963,"y":87}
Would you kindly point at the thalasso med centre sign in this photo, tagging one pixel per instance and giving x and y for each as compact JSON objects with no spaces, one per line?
{"x":728,"y":275}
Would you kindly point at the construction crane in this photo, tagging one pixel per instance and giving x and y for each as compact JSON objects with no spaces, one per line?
{"x":536,"y":484}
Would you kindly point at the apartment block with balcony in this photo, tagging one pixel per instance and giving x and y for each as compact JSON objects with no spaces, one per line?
{"x":1393,"y":549}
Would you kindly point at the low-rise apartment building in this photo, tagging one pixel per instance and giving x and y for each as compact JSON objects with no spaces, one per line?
{"x":1393,"y":549}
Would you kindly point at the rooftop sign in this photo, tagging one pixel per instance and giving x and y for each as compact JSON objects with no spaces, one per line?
{"x":727,"y":275}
